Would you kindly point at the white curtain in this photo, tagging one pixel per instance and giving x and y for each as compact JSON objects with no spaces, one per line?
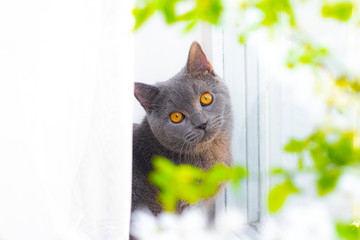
{"x":66,"y":78}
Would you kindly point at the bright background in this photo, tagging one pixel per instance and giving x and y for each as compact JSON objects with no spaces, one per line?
{"x":66,"y":97}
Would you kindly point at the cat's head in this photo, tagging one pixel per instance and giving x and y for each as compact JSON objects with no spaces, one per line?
{"x":189,"y":110}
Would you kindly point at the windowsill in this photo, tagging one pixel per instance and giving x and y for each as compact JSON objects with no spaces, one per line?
{"x":250,"y":232}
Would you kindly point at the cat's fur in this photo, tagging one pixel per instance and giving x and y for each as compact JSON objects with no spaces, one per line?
{"x":186,"y":142}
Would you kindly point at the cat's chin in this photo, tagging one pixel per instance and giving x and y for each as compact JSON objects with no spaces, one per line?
{"x":204,"y":139}
{"x":195,"y":146}
{"x":208,"y":137}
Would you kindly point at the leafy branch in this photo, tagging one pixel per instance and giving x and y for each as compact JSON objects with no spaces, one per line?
{"x":188,"y":183}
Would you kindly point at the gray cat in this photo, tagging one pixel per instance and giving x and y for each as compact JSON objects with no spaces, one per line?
{"x":188,"y":120}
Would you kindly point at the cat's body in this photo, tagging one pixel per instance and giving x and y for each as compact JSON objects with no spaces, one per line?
{"x":202,"y":137}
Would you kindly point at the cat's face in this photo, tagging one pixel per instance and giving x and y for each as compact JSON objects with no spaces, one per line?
{"x":190,"y":109}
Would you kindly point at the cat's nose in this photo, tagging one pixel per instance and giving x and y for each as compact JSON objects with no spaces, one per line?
{"x":202,"y":126}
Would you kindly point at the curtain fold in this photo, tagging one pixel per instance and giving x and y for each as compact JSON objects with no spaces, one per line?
{"x":102,"y":194}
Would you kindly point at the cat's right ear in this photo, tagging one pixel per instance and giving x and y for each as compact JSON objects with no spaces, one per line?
{"x":145,"y":94}
{"x":197,"y":61}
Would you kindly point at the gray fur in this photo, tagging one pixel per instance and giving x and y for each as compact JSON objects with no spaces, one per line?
{"x":184,"y":142}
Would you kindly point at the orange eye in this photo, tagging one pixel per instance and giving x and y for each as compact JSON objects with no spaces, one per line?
{"x":206,"y":99}
{"x":176,"y":117}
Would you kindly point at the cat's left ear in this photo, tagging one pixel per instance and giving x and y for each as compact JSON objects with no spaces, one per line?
{"x":146,"y":94}
{"x":197,"y":61}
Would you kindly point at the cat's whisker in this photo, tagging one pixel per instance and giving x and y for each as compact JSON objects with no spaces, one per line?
{"x":180,"y":155}
{"x":188,"y":134}
{"x":188,"y":155}
{"x":193,"y":138}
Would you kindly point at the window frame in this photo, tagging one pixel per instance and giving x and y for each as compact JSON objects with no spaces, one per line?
{"x":240,"y":69}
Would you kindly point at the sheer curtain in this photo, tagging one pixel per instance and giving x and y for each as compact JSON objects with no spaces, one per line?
{"x":66,"y":78}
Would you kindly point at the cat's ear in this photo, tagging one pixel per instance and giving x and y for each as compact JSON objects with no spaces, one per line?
{"x":145,"y":94}
{"x":197,"y":61}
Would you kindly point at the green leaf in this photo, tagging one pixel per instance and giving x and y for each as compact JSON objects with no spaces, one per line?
{"x":348,"y":231}
{"x":279,"y":193}
{"x":190,"y":26}
{"x":279,"y":171}
{"x":341,"y":11}
{"x":295,"y":146}
{"x":327,"y":181}
{"x":346,"y":83}
{"x":188,"y":183}
{"x":163,"y":165}
{"x":168,"y":200}
{"x":238,"y":173}
{"x":300,"y":166}
{"x":242,"y":38}
{"x":306,"y":54}
{"x":143,"y":14}
{"x":209,"y":10}
{"x":272,"y":10}
{"x":342,"y":152}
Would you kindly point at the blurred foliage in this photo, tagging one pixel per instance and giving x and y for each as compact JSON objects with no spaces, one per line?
{"x":348,"y":231}
{"x":203,"y":10}
{"x":331,"y":151}
{"x":341,"y":10}
{"x":306,"y":54}
{"x":188,"y":183}
{"x":274,"y":13}
{"x":348,"y":84}
{"x":279,"y":193}
{"x":273,"y":9}
{"x":210,"y":11}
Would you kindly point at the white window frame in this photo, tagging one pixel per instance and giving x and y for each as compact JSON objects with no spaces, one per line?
{"x":239,"y":67}
{"x":266,"y":113}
